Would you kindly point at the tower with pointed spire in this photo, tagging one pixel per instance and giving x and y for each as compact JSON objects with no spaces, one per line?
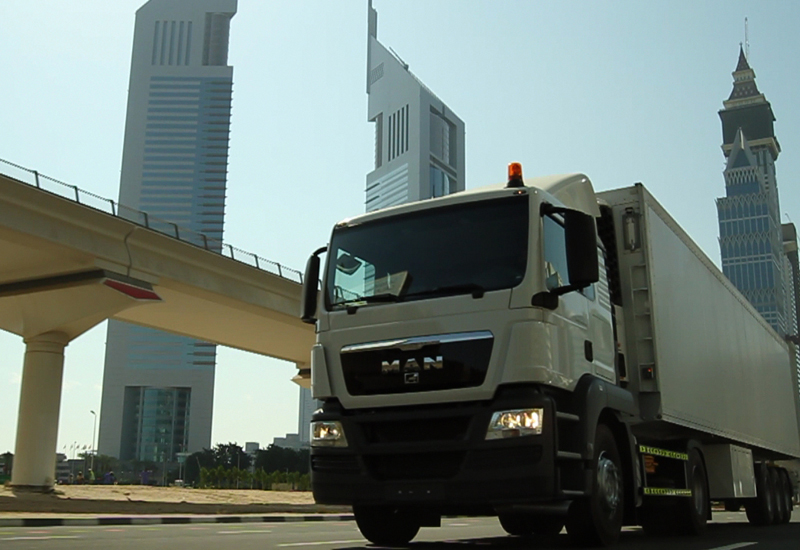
{"x":751,"y":237}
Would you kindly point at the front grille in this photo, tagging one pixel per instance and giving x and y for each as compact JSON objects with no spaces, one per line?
{"x":414,"y":466}
{"x":409,"y":431}
{"x":451,"y":361}
{"x":335,"y":464}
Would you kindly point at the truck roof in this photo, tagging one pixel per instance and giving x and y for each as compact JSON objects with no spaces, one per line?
{"x":571,"y":190}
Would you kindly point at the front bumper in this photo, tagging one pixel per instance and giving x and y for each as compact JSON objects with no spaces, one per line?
{"x":437,"y":456}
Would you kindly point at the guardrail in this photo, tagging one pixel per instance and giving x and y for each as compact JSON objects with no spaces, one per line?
{"x":96,"y":202}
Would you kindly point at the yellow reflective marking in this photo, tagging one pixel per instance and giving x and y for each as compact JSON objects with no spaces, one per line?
{"x":662,"y":452}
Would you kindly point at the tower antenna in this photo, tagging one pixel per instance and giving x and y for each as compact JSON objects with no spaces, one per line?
{"x":746,"y":41}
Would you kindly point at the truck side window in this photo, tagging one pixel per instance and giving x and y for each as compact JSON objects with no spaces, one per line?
{"x":555,"y":254}
{"x":555,"y":257}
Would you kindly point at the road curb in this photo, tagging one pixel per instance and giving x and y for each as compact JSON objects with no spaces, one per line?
{"x":164,"y":520}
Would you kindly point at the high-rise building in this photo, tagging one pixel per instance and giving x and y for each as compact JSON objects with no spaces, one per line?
{"x":419,"y":141}
{"x":789,"y":232}
{"x":158,"y":388}
{"x":759,"y":254}
{"x":751,"y":240}
{"x":419,"y":147}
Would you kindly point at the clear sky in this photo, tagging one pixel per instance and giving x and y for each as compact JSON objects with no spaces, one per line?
{"x":623,"y":91}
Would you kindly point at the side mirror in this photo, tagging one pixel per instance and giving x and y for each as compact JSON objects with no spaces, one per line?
{"x":581,"y":241}
{"x":308,"y":304}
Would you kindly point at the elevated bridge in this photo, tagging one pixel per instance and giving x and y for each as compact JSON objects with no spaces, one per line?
{"x":70,"y":260}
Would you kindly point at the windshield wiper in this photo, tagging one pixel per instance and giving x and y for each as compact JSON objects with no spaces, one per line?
{"x":476,"y":290}
{"x":353,"y":305}
{"x":384,"y":297}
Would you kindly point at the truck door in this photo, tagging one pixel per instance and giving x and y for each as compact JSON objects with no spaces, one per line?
{"x":572,"y":314}
{"x":584,"y":317}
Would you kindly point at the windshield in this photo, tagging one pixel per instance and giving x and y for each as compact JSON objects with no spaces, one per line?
{"x":465,"y":248}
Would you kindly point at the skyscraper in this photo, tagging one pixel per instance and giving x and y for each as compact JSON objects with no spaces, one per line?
{"x":751,"y":240}
{"x":759,"y":254}
{"x":158,"y":388}
{"x":419,"y":146}
{"x":419,"y":141}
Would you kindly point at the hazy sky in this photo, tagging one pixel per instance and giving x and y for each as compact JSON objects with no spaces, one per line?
{"x":623,"y":91}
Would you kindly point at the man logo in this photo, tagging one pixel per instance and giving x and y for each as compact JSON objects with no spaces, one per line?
{"x":411,"y":378}
{"x":412,"y":365}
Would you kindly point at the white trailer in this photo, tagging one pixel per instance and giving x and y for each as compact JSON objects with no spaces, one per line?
{"x":700,"y":358}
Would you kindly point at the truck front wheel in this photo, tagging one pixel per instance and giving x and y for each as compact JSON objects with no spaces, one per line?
{"x":693,"y":513}
{"x":597,"y":520}
{"x":386,"y":525}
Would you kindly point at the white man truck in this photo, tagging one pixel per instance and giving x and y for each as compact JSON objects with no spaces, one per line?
{"x":547,"y":354}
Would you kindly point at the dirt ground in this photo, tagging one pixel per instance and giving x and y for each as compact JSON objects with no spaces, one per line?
{"x":144,"y":500}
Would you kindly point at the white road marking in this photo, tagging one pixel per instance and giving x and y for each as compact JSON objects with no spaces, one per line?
{"x":734,"y":546}
{"x":244,"y":531}
{"x":43,"y":537}
{"x":320,"y":543}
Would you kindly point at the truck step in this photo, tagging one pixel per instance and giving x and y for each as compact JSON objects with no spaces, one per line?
{"x":568,"y":416}
{"x":569,"y":493}
{"x":567,"y":455}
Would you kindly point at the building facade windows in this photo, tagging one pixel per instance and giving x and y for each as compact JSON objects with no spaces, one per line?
{"x":158,"y":387}
{"x":751,"y":241}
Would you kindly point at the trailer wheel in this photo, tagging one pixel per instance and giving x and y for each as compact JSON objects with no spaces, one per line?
{"x":761,"y":510}
{"x":526,"y":525}
{"x":597,"y":520}
{"x":782,"y":513}
{"x":786,"y":483}
{"x":386,"y":526}
{"x":693,"y":511}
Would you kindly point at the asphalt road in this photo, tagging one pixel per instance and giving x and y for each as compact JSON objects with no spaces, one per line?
{"x":729,"y":531}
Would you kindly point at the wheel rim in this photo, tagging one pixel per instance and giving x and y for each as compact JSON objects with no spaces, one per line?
{"x":609,"y":484}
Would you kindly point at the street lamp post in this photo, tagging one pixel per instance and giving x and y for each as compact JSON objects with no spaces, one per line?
{"x":94,"y":432}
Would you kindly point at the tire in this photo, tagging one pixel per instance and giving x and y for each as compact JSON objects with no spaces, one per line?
{"x":782,"y":513}
{"x":787,"y":493}
{"x":515,"y":525}
{"x":760,"y":510}
{"x":597,"y":519}
{"x":733,"y":506}
{"x":692,"y":512}
{"x":526,"y":525}
{"x":386,"y":526}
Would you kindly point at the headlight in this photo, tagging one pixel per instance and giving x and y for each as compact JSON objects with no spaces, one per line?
{"x":327,"y":434}
{"x":515,"y":423}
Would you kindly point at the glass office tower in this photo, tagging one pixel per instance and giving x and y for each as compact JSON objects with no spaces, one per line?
{"x":158,"y":388}
{"x":419,"y":141}
{"x":751,"y":242}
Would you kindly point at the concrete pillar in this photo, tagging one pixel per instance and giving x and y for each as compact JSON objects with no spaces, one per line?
{"x":39,"y":405}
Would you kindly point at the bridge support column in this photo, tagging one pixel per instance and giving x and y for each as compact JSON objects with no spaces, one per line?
{"x":39,"y":404}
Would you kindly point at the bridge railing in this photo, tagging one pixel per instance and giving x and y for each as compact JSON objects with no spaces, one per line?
{"x":96,"y":202}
